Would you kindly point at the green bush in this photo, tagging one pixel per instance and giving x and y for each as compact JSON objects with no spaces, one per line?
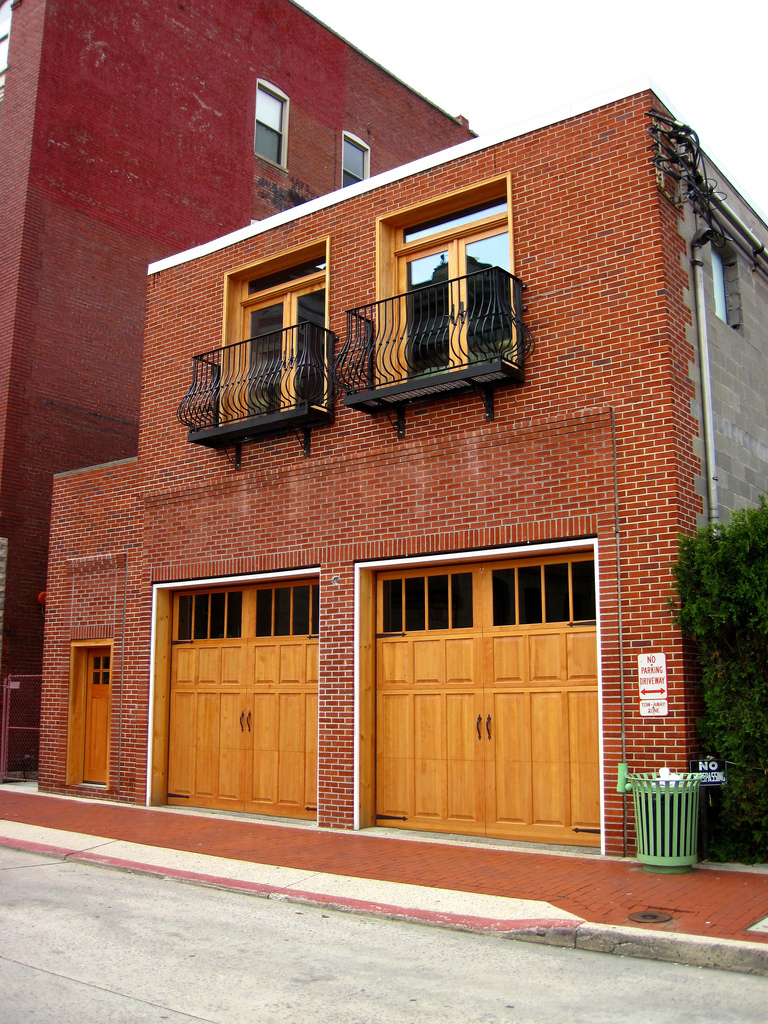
{"x":721,"y":579}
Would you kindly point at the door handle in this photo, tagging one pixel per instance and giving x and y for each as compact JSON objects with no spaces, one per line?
{"x":488,"y":726}
{"x":242,"y":716}
{"x":248,"y":721}
{"x":477,"y":723}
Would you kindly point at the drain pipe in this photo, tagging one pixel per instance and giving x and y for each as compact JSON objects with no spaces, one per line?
{"x":759,"y":252}
{"x":700,"y":239}
{"x":620,"y":623}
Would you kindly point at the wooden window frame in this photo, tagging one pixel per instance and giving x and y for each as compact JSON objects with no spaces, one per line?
{"x":391,"y":250}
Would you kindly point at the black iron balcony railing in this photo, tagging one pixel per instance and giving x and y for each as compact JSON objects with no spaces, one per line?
{"x":450,"y":336}
{"x":259,"y":386}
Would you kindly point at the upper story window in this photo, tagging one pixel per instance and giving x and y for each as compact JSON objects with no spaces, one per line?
{"x":271,"y":123}
{"x":5,"y":35}
{"x":274,"y":367}
{"x":725,"y":279}
{"x":356,"y":160}
{"x":449,"y":312}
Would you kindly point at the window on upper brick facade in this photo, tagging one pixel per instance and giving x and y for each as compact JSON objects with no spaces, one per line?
{"x":356,"y":160}
{"x":5,"y":35}
{"x":274,"y":367}
{"x":449,"y":312}
{"x":271,"y":123}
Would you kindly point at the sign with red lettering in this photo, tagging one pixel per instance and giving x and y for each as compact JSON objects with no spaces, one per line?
{"x":652,"y":684}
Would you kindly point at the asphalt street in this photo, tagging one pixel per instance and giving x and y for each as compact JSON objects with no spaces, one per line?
{"x":82,"y":944}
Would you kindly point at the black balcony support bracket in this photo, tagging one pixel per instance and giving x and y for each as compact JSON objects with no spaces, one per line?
{"x":487,"y":396}
{"x":398,"y":424}
{"x":305,"y":440}
{"x":238,"y":456}
{"x":415,"y":347}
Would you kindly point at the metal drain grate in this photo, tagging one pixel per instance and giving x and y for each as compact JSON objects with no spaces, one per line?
{"x":650,"y":917}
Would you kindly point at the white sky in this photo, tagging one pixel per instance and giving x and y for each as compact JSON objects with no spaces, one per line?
{"x":498,"y":62}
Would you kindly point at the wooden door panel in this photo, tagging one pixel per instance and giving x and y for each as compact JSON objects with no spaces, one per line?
{"x":464,"y":770}
{"x":546,"y":658}
{"x":310,"y":746}
{"x":292,"y":664}
{"x":265,"y":667}
{"x":96,"y":737}
{"x":209,"y":666}
{"x":584,"y":759}
{"x":428,"y":765}
{"x":509,"y":776}
{"x":181,"y":749}
{"x":394,"y":754}
{"x":263,"y":742}
{"x":582,"y":657}
{"x":312,"y":673}
{"x":184,"y":671}
{"x":548,"y":759}
{"x":233,"y":665}
{"x":460,"y":661}
{"x":394,"y":663}
{"x":510,"y":660}
{"x":429,"y":662}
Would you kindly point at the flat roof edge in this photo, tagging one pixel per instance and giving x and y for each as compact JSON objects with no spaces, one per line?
{"x":99,"y":465}
{"x":425,"y":163}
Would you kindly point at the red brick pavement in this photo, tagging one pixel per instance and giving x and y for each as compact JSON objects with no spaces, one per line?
{"x":719,"y":904}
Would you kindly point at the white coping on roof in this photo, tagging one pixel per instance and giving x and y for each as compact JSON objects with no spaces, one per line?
{"x":425,"y":163}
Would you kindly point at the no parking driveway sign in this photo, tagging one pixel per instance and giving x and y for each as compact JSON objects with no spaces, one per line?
{"x":652,"y":683}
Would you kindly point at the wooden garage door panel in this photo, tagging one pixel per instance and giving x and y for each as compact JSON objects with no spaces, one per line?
{"x":263,"y":786}
{"x":582,"y":657}
{"x":185,"y":666}
{"x":181,"y":761}
{"x":463,"y":767}
{"x":209,"y":666}
{"x":546,"y":661}
{"x":265,"y":664}
{"x":233,"y":665}
{"x":395,"y":727}
{"x":460,"y":661}
{"x":312,"y":674}
{"x":310,"y":732}
{"x":584,"y":767}
{"x":428,"y":766}
{"x":429,"y":662}
{"x":549,"y":758}
{"x":509,"y":788}
{"x":510,"y":660}
{"x":292,"y":664}
{"x":394,"y":663}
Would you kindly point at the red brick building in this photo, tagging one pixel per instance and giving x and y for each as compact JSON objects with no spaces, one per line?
{"x":421,"y":603}
{"x":129,"y":131}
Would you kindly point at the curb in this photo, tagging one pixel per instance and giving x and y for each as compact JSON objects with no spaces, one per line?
{"x":672,"y":947}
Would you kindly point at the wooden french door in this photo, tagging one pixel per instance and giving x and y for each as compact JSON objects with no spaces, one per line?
{"x":97,"y":715}
{"x":487,"y":718}
{"x":243,"y":721}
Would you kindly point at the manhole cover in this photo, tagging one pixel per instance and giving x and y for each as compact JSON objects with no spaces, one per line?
{"x":650,"y":917}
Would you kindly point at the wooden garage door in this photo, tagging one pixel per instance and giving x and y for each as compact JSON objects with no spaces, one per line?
{"x":243,"y":718}
{"x":487,"y":717}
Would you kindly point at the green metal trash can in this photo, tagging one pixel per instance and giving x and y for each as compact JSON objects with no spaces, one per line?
{"x":666,"y":819}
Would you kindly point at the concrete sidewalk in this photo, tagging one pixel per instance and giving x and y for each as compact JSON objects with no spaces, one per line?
{"x":563,"y":898}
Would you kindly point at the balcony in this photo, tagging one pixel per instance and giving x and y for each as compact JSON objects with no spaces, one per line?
{"x":260,"y":386}
{"x":462,"y":334}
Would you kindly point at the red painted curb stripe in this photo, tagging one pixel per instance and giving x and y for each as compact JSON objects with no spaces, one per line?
{"x":464,"y":921}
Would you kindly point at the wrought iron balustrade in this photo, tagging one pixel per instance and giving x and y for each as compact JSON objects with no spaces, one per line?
{"x":456,"y":335}
{"x":260,"y":385}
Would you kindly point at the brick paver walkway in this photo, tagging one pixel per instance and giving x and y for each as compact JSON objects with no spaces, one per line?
{"x":720,"y":904}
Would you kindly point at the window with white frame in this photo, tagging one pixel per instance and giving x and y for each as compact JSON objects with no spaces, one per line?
{"x":356,"y":160}
{"x":5,"y":35}
{"x":271,"y":123}
{"x":725,"y":280}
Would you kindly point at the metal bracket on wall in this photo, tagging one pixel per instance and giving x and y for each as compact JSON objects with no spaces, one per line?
{"x":305,"y":440}
{"x":487,"y":394}
{"x":399,"y":424}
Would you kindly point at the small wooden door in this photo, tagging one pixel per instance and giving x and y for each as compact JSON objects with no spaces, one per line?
{"x":97,"y":715}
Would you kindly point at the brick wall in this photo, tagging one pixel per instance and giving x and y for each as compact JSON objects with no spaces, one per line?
{"x":605,"y":411}
{"x":127,"y":135}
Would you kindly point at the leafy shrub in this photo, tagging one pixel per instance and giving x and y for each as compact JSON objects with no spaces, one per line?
{"x":721,"y":579}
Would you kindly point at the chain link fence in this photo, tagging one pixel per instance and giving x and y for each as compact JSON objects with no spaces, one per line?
{"x":20,"y":728}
